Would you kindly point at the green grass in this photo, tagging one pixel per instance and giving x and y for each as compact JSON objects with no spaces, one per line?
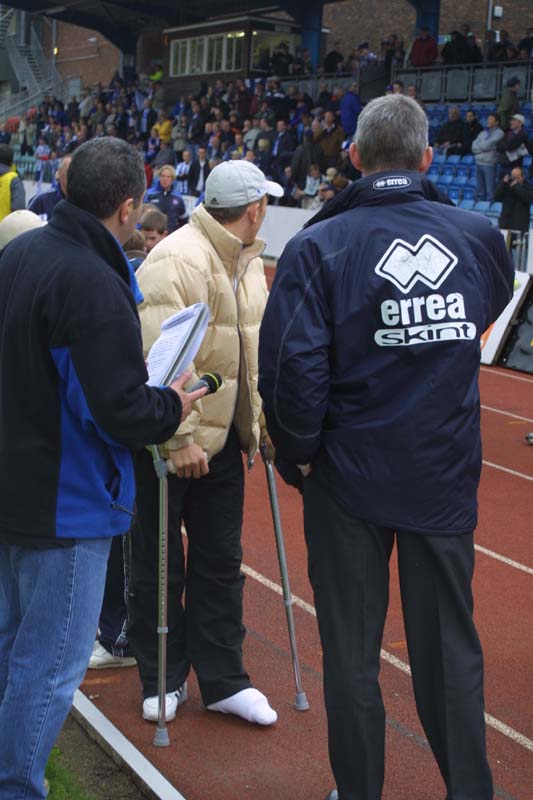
{"x":63,"y":783}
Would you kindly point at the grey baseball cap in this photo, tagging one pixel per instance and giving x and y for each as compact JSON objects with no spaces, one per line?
{"x":237,"y":183}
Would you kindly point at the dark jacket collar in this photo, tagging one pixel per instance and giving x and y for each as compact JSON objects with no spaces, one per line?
{"x":83,"y":228}
{"x":381,"y":188}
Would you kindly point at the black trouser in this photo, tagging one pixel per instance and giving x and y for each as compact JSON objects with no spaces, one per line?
{"x":349,"y":572}
{"x":207,"y":632}
{"x":112,"y":622}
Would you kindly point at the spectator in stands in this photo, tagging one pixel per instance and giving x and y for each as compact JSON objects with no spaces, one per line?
{"x":182,"y":173}
{"x":152,"y":146}
{"x":473,"y":52}
{"x":509,"y":104}
{"x":485,"y":150}
{"x":154,"y":227}
{"x":350,"y":108}
{"x":364,"y":56}
{"x":334,"y":60}
{"x":250,"y":132}
{"x":43,"y":204}
{"x":163,"y":127}
{"x":5,"y":136}
{"x":146,"y":120}
{"x":345,"y":168}
{"x":330,"y":139}
{"x":397,"y":87}
{"x":452,"y":138}
{"x":167,"y":199}
{"x":424,"y":51}
{"x":308,"y":196}
{"x":198,"y":174}
{"x":283,"y":148}
{"x":12,"y":195}
{"x":513,"y":147}
{"x":527,"y":43}
{"x":237,"y":149}
{"x":281,"y":61}
{"x":473,"y":128}
{"x":516,"y":195}
{"x":413,"y":94}
{"x":165,"y":155}
{"x":306,"y":154}
{"x":179,"y":135}
{"x":455,"y":49}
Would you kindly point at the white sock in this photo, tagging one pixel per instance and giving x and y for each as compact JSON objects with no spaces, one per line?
{"x":249,"y":704}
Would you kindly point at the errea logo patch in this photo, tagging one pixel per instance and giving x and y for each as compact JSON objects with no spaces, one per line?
{"x":392,"y":182}
{"x":428,"y":261}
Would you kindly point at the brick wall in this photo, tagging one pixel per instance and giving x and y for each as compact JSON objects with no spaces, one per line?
{"x":84,"y":53}
{"x":355,"y":21}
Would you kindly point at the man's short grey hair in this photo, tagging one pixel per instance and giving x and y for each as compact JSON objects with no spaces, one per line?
{"x":392,"y":133}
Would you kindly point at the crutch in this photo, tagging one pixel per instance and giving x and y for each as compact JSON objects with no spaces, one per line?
{"x":161,"y":733}
{"x":300,"y":700}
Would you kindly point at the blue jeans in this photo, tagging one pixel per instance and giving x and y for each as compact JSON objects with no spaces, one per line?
{"x":49,"y":606}
{"x":485,"y":180}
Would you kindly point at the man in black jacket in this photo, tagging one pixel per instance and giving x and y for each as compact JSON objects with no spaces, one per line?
{"x":74,"y":404}
{"x":516,"y":196}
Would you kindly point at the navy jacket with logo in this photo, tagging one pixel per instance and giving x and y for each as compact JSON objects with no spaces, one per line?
{"x":369,"y":353}
{"x":73,"y":399}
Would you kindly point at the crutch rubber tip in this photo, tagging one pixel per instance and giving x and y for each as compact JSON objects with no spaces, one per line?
{"x":161,"y":738}
{"x":300,"y":702}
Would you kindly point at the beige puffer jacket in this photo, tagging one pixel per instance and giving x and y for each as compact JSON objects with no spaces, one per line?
{"x":203,"y":262}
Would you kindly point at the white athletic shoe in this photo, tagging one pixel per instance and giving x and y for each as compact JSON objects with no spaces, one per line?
{"x":103,"y":659}
{"x":173,"y":701}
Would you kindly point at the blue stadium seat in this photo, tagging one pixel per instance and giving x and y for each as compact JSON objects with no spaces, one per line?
{"x":460,"y":181}
{"x":434,"y":170}
{"x":468,"y":195}
{"x":471,"y":182}
{"x":496,"y":208}
{"x":468,"y":205}
{"x":468,"y":159}
{"x":446,"y":180}
{"x":454,"y":195}
{"x":482,"y":205}
{"x":463,"y":171}
{"x":453,"y":159}
{"x":439,"y":158}
{"x":448,"y":169}
{"x":433,"y":176}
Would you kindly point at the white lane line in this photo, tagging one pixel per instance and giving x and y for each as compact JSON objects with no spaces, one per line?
{"x":508,"y":374}
{"x":509,"y":471}
{"x":501,"y":727}
{"x":504,"y":559}
{"x":506,"y":413}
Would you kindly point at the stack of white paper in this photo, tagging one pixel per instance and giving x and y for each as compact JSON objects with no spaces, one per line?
{"x":180,"y":339}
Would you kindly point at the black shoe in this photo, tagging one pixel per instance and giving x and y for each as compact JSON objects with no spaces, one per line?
{"x":333,"y":795}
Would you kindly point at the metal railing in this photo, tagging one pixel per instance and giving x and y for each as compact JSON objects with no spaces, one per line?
{"x":471,"y":83}
{"x":15,"y":105}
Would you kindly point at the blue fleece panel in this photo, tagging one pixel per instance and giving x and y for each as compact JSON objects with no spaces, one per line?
{"x":96,"y":490}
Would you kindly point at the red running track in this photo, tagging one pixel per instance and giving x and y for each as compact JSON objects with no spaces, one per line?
{"x":214,"y":757}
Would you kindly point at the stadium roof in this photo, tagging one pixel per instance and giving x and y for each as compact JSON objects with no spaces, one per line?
{"x":121,"y":21}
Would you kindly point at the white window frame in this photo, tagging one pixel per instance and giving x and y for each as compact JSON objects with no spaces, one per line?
{"x":228,"y":38}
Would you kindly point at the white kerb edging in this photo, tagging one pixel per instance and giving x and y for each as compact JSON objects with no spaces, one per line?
{"x":122,"y":750}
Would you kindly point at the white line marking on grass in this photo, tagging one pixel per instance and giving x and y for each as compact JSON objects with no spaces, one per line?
{"x":501,"y":727}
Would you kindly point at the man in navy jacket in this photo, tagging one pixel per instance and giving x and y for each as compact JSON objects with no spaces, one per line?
{"x":74,"y":404}
{"x":369,"y":359}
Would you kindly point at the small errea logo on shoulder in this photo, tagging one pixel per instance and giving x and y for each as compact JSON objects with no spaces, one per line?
{"x":392,"y":182}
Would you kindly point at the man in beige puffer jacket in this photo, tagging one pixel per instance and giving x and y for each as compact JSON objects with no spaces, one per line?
{"x":215,"y":259}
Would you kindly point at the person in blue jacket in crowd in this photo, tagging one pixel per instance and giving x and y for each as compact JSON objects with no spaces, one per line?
{"x":369,"y":360}
{"x":74,"y":405}
{"x":350,"y":108}
{"x":43,"y":204}
{"x":167,"y":199}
